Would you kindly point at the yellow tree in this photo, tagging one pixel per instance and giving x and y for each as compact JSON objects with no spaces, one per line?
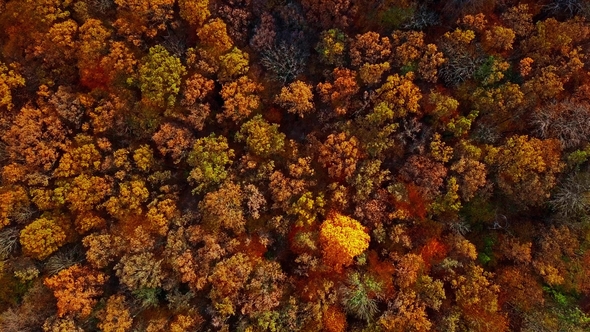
{"x":9,"y":80}
{"x":233,"y":64}
{"x":42,"y":237}
{"x":213,"y":37}
{"x":194,"y":12}
{"x":115,"y":317}
{"x":296,"y":98}
{"x":342,"y":238}
{"x":526,"y":168}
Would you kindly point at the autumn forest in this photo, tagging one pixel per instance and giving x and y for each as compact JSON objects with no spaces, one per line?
{"x":294,"y":165}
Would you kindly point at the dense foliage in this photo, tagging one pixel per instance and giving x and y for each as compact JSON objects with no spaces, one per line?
{"x":294,"y":165}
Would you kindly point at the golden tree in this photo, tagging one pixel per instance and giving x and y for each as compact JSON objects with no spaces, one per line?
{"x":342,"y":238}
{"x":527,"y":168}
{"x":9,"y":80}
{"x":115,"y":317}
{"x":194,"y":12}
{"x":42,"y":237}
{"x":296,"y":98}
{"x":240,"y":99}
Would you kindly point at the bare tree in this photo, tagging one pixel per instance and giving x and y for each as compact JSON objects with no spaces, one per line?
{"x":572,"y":196}
{"x":284,"y":61}
{"x":567,"y":121}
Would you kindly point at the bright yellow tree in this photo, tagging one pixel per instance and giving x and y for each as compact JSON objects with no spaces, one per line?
{"x":41,"y":238}
{"x":342,"y":238}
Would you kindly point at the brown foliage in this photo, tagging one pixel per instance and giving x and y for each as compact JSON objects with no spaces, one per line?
{"x":370,"y":48}
{"x":174,"y":141}
{"x":339,"y":154}
{"x":223,"y":208}
{"x":426,"y":173}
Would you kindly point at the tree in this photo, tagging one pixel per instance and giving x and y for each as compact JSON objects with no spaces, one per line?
{"x":426,"y":173}
{"x":61,"y":325}
{"x":35,"y":138}
{"x":42,"y":237}
{"x":472,"y":176}
{"x":332,"y":47}
{"x":194,"y":12}
{"x":265,"y":289}
{"x":196,"y":89}
{"x":526,"y":168}
{"x":334,"y":320}
{"x":87,"y":221}
{"x":565,"y":121}
{"x":12,"y":201}
{"x":328,"y":14}
{"x":160,"y":214}
{"x":228,"y":279}
{"x":262,"y":138}
{"x":519,"y":19}
{"x":296,"y":98}
{"x":144,"y":158}
{"x":285,"y":61}
{"x":499,"y":38}
{"x":115,"y":317}
{"x":477,"y":296}
{"x":340,"y":92}
{"x":76,"y":289}
{"x":238,"y":16}
{"x":102,"y":249}
{"x":140,"y":271}
{"x":82,"y":159}
{"x":240,"y":99}
{"x":136,"y":17}
{"x":93,"y":43}
{"x":400,"y":94}
{"x":209,"y":158}
{"x":413,"y":54}
{"x":406,"y":313}
{"x":174,"y":141}
{"x":358,"y":295}
{"x":213,"y":37}
{"x":339,"y":154}
{"x":264,"y":33}
{"x":342,"y":238}
{"x":233,"y":64}
{"x":370,"y":48}
{"x":159,"y":77}
{"x":9,"y":80}
{"x":59,"y":44}
{"x":223,"y":208}
{"x":119,"y":61}
{"x":85,"y":192}
{"x":132,"y":194}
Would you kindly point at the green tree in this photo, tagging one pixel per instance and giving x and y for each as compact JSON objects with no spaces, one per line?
{"x":209,"y":158}
{"x":159,"y":77}
{"x":262,"y":138}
